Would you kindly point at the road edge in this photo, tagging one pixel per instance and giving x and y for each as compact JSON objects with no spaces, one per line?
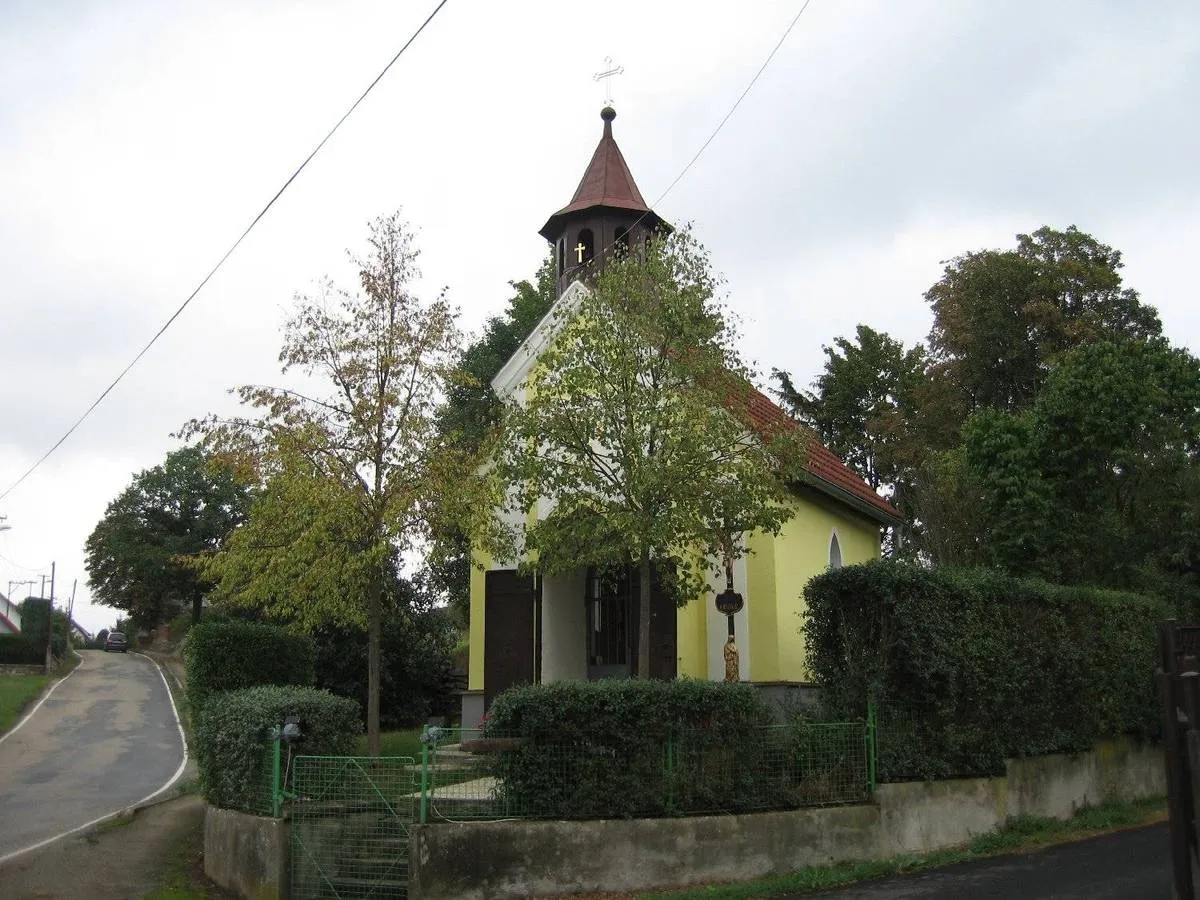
{"x":38,"y":705}
{"x":125,"y":810}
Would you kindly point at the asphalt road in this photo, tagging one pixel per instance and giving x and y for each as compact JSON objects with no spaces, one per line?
{"x":1127,"y":865}
{"x":104,"y":740}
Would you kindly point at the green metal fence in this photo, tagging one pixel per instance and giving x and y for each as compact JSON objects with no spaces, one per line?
{"x":350,"y":826}
{"x":469,"y":776}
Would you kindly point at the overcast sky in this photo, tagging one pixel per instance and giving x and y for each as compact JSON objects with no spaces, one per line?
{"x":138,"y":138}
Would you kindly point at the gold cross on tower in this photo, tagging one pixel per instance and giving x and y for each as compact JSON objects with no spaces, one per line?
{"x":606,"y":77}
{"x":580,"y":250}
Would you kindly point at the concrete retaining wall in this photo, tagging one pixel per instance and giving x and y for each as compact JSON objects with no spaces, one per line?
{"x":246,"y":854}
{"x":521,"y":859}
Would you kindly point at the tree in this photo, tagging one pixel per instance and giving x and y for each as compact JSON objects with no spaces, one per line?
{"x":473,"y":411}
{"x":138,"y":556}
{"x":632,"y":430}
{"x":1001,"y":317}
{"x":1098,"y":482}
{"x":863,"y":407}
{"x":356,"y":469}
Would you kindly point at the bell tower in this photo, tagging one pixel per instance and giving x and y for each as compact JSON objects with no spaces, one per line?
{"x":606,"y":216}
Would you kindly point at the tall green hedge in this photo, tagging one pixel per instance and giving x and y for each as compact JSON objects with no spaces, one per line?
{"x":17,"y":649}
{"x":599,"y":749}
{"x":225,"y":656}
{"x":971,"y":667}
{"x":232,"y":745}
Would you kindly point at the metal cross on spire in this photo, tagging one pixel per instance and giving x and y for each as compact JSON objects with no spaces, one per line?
{"x":606,"y":77}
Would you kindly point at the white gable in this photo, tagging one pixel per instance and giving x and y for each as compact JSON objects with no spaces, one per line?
{"x":513,"y":372}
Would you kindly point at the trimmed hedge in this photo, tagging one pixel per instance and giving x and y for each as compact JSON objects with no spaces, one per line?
{"x":599,"y":749}
{"x":232,"y":739}
{"x":225,"y":656}
{"x":18,"y":650}
{"x":972,"y":667}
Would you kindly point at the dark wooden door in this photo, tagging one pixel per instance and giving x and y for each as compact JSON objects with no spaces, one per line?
{"x":663,"y":629}
{"x":663,"y":633}
{"x":508,"y":632}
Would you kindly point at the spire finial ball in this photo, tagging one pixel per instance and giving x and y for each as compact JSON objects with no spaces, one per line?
{"x":608,"y":114}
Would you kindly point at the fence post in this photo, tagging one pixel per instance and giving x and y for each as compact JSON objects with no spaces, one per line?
{"x":872,"y":750}
{"x":423,"y":817}
{"x":670,"y":765}
{"x":276,"y":787}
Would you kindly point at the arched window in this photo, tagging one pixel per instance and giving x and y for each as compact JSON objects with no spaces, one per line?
{"x":582,"y":252}
{"x":835,"y":552}
{"x":621,"y":242}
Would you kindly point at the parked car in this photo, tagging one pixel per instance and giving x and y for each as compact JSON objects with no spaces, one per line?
{"x":116,"y":641}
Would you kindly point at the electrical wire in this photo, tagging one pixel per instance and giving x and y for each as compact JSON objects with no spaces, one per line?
{"x":184,"y":305}
{"x":279,"y":193}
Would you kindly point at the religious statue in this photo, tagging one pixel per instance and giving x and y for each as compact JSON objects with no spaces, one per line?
{"x":731,"y":661}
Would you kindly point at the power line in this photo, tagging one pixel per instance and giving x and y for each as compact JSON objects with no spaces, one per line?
{"x":184,"y":305}
{"x":732,"y":109}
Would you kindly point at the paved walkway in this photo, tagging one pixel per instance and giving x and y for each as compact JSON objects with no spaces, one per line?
{"x":1127,"y":865}
{"x":105,"y":739}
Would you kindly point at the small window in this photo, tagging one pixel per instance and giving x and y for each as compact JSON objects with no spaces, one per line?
{"x":582,"y":252}
{"x":835,"y":552}
{"x":621,"y":243}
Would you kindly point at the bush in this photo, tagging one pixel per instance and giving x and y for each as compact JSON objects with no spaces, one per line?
{"x":224,"y":656}
{"x":417,"y":674}
{"x":34,"y":612}
{"x":972,"y":667}
{"x":18,"y":650}
{"x":600,"y":749}
{"x":233,"y":746}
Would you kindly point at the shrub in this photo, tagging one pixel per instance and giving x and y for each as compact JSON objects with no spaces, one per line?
{"x":971,"y":667}
{"x":18,"y":650}
{"x":233,"y":745}
{"x":224,"y":656}
{"x":417,"y":676}
{"x":609,"y":748}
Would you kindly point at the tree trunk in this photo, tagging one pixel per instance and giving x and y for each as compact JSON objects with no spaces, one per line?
{"x":374,"y":630}
{"x":644,"y":615}
{"x":197,"y":607}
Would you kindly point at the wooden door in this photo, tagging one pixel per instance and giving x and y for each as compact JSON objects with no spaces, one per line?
{"x":509,"y":625}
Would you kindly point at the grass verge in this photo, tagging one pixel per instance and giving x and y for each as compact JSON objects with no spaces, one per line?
{"x":16,"y":693}
{"x":402,"y":742}
{"x":183,"y":872}
{"x":1020,"y":834}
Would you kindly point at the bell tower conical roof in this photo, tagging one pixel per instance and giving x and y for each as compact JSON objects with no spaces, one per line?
{"x":606,"y":214}
{"x":606,"y":182}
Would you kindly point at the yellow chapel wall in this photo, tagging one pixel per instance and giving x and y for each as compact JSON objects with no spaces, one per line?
{"x":801,"y":551}
{"x":480,"y":563}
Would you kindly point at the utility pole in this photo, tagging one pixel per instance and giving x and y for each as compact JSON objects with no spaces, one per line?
{"x":49,"y":620}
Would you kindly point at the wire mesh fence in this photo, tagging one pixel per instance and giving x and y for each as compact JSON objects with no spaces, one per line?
{"x":350,"y":826}
{"x":469,"y":776}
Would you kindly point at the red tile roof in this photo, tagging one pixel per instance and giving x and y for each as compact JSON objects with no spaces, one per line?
{"x":820,"y":462}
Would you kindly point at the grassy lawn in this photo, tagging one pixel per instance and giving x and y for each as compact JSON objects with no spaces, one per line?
{"x":404,"y":742}
{"x":17,"y":692}
{"x":1024,"y":833}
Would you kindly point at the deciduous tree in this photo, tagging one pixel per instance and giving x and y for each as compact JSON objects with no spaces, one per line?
{"x":355,"y":467}
{"x":631,"y":429}
{"x":139,"y":556}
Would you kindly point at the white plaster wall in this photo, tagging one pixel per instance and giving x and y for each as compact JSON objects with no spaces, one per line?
{"x":564,"y":627}
{"x":717,"y":625}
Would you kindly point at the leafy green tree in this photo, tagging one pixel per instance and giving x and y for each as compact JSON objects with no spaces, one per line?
{"x":472,"y":412}
{"x":863,"y":407}
{"x":355,"y":467}
{"x":1098,"y":482}
{"x":138,"y":557}
{"x":629,"y":429}
{"x":1002,"y":316}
